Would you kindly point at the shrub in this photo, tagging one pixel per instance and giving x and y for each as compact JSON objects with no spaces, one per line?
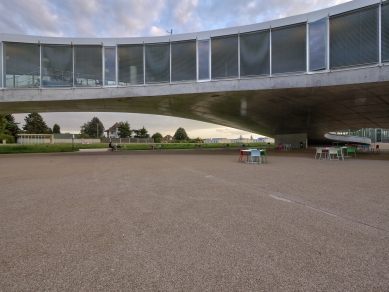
{"x":7,"y":138}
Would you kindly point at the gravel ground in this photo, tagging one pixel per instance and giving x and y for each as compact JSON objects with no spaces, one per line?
{"x":193,"y":220}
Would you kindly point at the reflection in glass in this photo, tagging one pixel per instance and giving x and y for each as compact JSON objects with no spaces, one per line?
{"x":289,"y":49}
{"x":57,"y":66}
{"x":88,"y":66}
{"x":225,"y":57}
{"x":317,"y":44}
{"x":21,"y":65}
{"x":157,"y":63}
{"x":255,"y":53}
{"x":385,"y":32}
{"x":354,"y":38}
{"x":203,"y":55}
{"x":110,"y":66}
{"x":184,"y":61}
{"x":130,"y":58}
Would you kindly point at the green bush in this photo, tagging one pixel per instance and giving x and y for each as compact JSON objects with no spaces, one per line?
{"x":7,"y":138}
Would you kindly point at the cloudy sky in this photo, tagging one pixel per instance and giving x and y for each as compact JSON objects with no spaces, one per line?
{"x":129,"y":18}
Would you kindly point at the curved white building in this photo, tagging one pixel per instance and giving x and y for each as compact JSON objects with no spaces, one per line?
{"x":308,"y":74}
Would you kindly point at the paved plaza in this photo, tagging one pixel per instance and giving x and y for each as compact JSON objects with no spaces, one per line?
{"x":193,"y":220}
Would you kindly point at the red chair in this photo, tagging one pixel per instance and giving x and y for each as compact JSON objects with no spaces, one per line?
{"x":280,"y":146}
{"x":243,"y":154}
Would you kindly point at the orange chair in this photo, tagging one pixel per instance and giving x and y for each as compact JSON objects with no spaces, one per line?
{"x":243,"y":154}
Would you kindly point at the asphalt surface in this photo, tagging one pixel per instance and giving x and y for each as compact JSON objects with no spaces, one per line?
{"x":193,"y":220}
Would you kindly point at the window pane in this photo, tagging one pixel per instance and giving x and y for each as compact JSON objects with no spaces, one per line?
{"x":203,"y":55}
{"x":224,"y":57}
{"x":255,"y":54}
{"x":57,"y":66}
{"x":88,"y":66}
{"x":130,"y":60}
{"x":289,"y":49}
{"x":110,"y":66}
{"x":354,"y":38}
{"x":21,"y":65}
{"x":157,"y":63}
{"x":184,"y":61}
{"x":385,"y":32}
{"x":317,"y":44}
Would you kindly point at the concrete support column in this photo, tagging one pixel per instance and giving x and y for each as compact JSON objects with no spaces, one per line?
{"x":293,"y":139}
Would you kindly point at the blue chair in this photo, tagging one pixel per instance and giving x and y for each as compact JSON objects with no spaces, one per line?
{"x":254,"y":154}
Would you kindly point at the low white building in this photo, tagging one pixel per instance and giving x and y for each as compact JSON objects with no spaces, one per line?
{"x":113,"y":132}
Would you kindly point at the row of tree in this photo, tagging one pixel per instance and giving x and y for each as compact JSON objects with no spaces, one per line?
{"x":34,"y":124}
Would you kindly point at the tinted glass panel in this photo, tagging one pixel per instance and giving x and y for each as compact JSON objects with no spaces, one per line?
{"x":21,"y":65}
{"x":157,"y":63}
{"x":224,"y":57}
{"x":88,"y":65}
{"x":130,"y":60}
{"x":110,"y":66}
{"x":385,"y":32}
{"x":354,"y":38}
{"x":289,"y":49}
{"x":203,"y":55}
{"x":57,"y":66}
{"x":255,"y":54}
{"x":184,"y":61}
{"x":317,"y":44}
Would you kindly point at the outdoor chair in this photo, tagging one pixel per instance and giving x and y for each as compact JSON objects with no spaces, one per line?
{"x":255,"y":154}
{"x":333,"y":154}
{"x":243,"y":154}
{"x":159,"y":147}
{"x":376,"y":149}
{"x":319,"y":150}
{"x":351,"y":150}
{"x":263,"y":153}
{"x":280,"y":146}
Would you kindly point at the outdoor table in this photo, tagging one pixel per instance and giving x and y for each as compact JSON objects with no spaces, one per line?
{"x":248,"y":151}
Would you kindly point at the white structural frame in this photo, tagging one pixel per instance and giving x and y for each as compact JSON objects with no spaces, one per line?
{"x":199,"y":36}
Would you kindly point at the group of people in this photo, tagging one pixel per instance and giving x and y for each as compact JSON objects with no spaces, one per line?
{"x":113,"y":147}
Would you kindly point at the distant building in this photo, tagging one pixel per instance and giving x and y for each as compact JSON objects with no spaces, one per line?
{"x":113,"y":132}
{"x":168,"y":138}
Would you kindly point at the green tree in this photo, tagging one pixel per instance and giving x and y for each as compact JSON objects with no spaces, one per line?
{"x":157,"y":137}
{"x":3,"y":124}
{"x":56,"y":129}
{"x":124,"y":130}
{"x":181,"y":134}
{"x":141,"y":133}
{"x":35,"y":124}
{"x":12,"y":127}
{"x":94,"y":128}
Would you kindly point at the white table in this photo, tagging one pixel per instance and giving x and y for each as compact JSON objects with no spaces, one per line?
{"x":248,"y":151}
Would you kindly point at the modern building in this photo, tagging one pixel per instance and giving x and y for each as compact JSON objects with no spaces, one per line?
{"x":294,"y":79}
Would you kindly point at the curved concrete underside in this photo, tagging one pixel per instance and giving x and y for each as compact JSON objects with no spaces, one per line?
{"x":309,"y":103}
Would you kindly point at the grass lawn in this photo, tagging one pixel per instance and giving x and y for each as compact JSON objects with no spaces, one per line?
{"x":50,"y":148}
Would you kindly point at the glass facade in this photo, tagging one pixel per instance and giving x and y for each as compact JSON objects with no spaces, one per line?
{"x":130,"y":59}
{"x":110,"y":66}
{"x":57,"y":66}
{"x":354,"y":38}
{"x":157,"y":63}
{"x":224,"y":57}
{"x":203,"y":59}
{"x":289,"y":49}
{"x":88,"y":66}
{"x":183,"y":61}
{"x":353,"y":41}
{"x":255,"y":53}
{"x":385,"y":32}
{"x":21,"y":65}
{"x":318,"y":45}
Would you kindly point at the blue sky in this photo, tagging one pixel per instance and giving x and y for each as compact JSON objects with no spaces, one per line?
{"x":128,"y":18}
